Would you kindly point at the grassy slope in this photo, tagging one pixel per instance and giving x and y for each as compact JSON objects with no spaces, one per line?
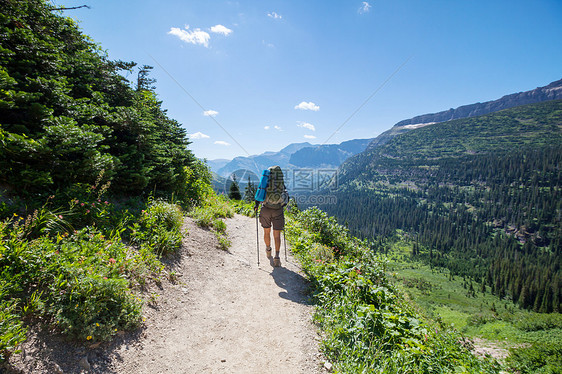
{"x":473,"y":315}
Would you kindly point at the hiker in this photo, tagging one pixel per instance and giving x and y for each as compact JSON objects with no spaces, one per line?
{"x":272,"y":196}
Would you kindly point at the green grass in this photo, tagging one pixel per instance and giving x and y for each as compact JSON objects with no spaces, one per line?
{"x":211,"y":214}
{"x":479,"y":315}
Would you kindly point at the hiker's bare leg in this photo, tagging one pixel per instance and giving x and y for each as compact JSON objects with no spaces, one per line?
{"x":267,"y":236}
{"x":277,"y":238}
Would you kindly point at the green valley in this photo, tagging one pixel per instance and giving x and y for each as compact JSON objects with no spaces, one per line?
{"x":480,"y":196}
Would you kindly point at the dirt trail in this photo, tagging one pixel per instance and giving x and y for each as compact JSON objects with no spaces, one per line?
{"x":224,"y":315}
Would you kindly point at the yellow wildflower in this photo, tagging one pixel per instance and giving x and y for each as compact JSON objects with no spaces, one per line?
{"x":89,"y":337}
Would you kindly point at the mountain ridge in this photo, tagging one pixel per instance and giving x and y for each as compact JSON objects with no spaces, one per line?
{"x":294,"y":156}
{"x":552,"y":91}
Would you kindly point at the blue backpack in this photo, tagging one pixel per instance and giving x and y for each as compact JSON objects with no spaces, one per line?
{"x":271,"y":189}
{"x":261,"y":192}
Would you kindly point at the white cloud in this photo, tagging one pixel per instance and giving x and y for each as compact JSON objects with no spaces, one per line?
{"x":222,"y":142}
{"x":266,"y":127}
{"x":274,"y":15}
{"x":197,"y":36}
{"x":220,"y":29}
{"x":278,"y":128}
{"x":308,"y":106}
{"x":310,"y":137}
{"x":364,"y":8}
{"x":268,"y":45}
{"x":307,"y":125}
{"x":198,"y":135}
{"x":210,"y":113}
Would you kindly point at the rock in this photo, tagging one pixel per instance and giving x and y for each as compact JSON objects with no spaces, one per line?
{"x":56,"y":369}
{"x":84,"y":364}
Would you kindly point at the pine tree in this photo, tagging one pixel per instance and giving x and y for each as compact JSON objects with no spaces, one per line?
{"x":234,"y":190}
{"x":249,"y":191}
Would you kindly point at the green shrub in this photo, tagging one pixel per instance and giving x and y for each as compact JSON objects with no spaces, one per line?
{"x":210,"y":214}
{"x":368,"y":326}
{"x":243,"y":207}
{"x":80,"y":282}
{"x":224,"y":242}
{"x":12,"y":331}
{"x":539,"y":358}
{"x":159,"y":228}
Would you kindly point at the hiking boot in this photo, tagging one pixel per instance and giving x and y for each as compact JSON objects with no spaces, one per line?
{"x":268,"y":252}
{"x":276,"y":261}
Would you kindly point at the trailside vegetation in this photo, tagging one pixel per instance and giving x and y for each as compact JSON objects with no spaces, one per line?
{"x":479,"y":196}
{"x":368,"y":325}
{"x":78,"y":270}
{"x":94,"y":177}
{"x":211,"y":213}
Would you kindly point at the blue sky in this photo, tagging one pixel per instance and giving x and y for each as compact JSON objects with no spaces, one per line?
{"x":271,"y":73}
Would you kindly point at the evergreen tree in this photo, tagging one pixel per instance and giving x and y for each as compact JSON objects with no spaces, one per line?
{"x":234,"y":190}
{"x":249,"y":191}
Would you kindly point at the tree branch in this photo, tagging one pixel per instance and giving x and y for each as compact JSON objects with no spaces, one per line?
{"x":74,"y":7}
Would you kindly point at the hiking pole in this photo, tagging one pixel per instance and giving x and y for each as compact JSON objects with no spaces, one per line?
{"x":257,"y":238}
{"x":285,"y":242}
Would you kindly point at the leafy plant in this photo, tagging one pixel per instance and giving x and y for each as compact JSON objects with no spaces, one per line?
{"x":159,"y":227}
{"x":368,"y":325}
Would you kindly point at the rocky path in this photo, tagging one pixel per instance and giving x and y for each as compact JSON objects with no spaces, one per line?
{"x":221,"y":314}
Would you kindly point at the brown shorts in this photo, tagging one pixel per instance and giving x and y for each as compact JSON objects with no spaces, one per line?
{"x":270,"y":216}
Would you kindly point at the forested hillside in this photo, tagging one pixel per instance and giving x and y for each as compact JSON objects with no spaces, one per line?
{"x":480,"y":196}
{"x":67,"y":113}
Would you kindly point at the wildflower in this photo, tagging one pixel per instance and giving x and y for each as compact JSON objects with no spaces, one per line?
{"x":97,"y":324}
{"x":87,"y":211}
{"x":89,"y":337}
{"x":60,"y":216}
{"x":99,"y":200}
{"x":104,"y":277}
{"x":81,"y":204}
{"x":15,"y":215}
{"x":106,"y":202}
{"x":112,"y":260}
{"x":93,"y":187}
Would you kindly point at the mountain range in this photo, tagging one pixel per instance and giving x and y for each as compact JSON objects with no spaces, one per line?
{"x":331,"y":156}
{"x":293,"y":156}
